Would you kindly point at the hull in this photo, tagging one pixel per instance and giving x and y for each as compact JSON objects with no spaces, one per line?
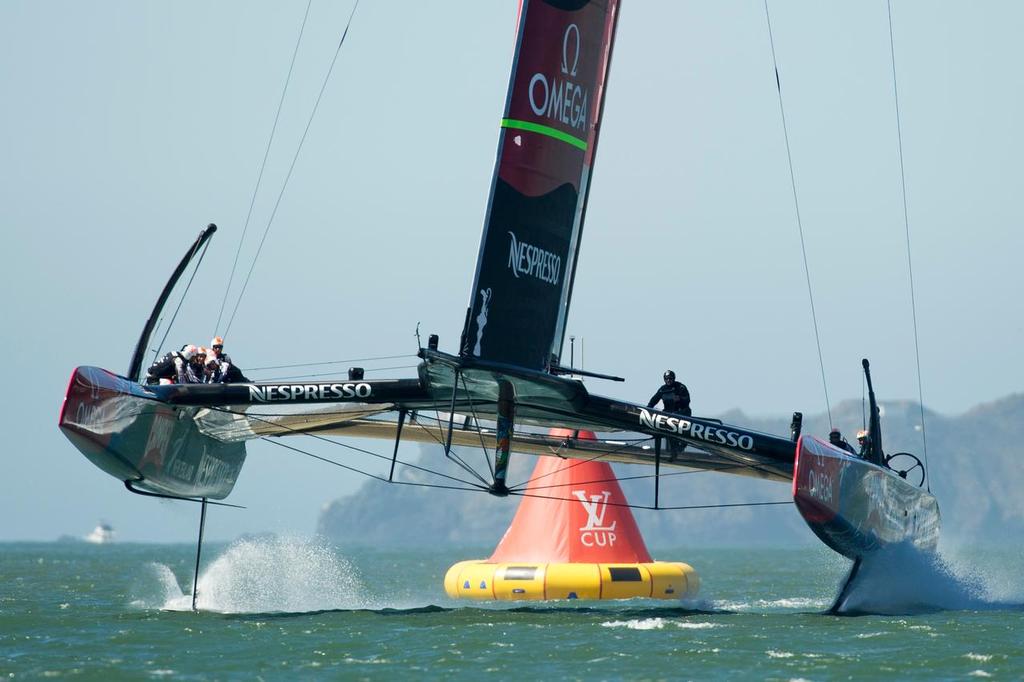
{"x":121,"y":428}
{"x":858,"y":508}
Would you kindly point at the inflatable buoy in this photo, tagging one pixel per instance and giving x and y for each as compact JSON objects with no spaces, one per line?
{"x":574,"y":538}
{"x":491,"y":581}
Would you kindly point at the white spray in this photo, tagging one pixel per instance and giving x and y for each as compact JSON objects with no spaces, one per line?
{"x":267,"y":575}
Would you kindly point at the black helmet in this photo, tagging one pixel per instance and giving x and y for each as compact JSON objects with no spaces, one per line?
{"x":669,"y":375}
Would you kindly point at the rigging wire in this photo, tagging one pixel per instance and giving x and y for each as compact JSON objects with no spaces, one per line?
{"x":328,"y":460}
{"x":737,"y":464}
{"x":479,"y":489}
{"x":333,"y":374}
{"x":575,"y":463}
{"x":659,"y":508}
{"x":721,"y":506}
{"x":263,"y":166}
{"x":440,"y":441}
{"x":335,"y":362}
{"x":799,"y":222}
{"x":383,"y":457}
{"x":479,"y":431}
{"x":322,"y":459}
{"x":454,"y":456}
{"x":451,"y":453}
{"x":156,"y":328}
{"x":637,"y":477}
{"x":906,"y":227}
{"x":415,"y":422}
{"x":316,"y":436}
{"x":170,"y":324}
{"x":476,"y":488}
{"x":291,"y":168}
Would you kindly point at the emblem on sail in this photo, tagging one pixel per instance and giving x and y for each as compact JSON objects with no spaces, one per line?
{"x":560,"y":98}
{"x":481,"y":319}
{"x":533,"y":261}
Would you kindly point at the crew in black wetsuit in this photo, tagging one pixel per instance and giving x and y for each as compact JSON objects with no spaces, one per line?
{"x":174,"y":366}
{"x":224,"y":370}
{"x":673,"y":395}
{"x":836,"y":439}
{"x":674,"y":398}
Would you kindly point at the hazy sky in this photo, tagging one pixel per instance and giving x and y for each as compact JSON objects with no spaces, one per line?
{"x":128,"y":126}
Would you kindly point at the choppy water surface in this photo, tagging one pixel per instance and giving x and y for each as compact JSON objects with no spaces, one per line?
{"x":275,"y":607}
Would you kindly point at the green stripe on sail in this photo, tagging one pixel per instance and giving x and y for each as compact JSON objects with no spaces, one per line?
{"x":544,"y":130}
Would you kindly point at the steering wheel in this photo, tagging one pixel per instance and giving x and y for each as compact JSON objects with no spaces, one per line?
{"x":908,"y":466}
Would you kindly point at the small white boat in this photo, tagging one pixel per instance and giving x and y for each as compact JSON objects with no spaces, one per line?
{"x":101,"y":534}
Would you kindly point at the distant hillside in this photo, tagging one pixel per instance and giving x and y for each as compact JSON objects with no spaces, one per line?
{"x":976,"y":466}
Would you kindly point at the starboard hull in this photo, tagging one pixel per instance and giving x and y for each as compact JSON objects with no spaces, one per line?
{"x":121,"y":428}
{"x":856,"y":507}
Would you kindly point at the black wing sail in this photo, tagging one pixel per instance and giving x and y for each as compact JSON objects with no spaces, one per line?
{"x":531,"y":238}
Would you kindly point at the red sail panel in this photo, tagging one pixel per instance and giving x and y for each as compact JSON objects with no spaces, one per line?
{"x":531,"y":237}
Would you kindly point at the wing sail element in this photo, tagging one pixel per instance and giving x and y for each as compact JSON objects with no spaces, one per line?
{"x":531,"y":237}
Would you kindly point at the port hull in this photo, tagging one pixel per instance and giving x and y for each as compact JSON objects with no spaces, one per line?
{"x":124,"y":430}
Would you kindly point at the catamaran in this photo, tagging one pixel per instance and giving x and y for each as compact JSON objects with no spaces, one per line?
{"x":508,"y":382}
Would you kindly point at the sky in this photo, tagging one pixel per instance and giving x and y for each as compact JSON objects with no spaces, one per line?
{"x":126,"y":127}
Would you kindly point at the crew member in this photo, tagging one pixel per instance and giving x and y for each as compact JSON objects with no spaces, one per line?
{"x":675,"y":398}
{"x":673,"y":395}
{"x":225,"y":372}
{"x":211,"y":371}
{"x":864,"y":442}
{"x":836,"y":439}
{"x":195,"y":368}
{"x":171,"y":367}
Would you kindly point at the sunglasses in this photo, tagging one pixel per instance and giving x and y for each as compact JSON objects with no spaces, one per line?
{"x":218,"y":347}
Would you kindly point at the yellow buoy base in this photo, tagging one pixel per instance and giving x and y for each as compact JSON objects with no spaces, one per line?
{"x":657,"y":580}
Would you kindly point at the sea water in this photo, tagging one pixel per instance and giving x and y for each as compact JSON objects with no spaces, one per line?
{"x":275,"y":607}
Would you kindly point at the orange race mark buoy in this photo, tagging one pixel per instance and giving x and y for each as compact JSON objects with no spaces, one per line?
{"x":573,"y":538}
